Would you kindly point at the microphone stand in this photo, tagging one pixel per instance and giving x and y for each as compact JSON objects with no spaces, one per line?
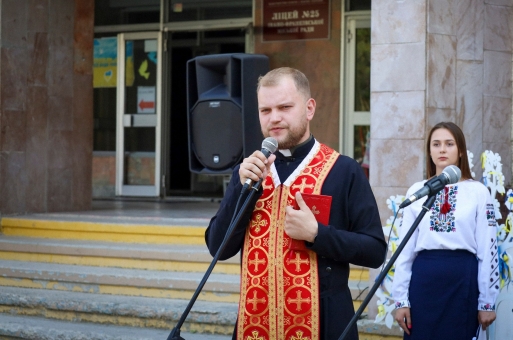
{"x":175,"y":333}
{"x":427,"y":205}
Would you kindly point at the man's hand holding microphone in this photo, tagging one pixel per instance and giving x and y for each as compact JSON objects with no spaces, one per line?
{"x":256,"y":167}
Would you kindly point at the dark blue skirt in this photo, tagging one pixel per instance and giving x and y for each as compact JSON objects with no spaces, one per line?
{"x":443,"y":296}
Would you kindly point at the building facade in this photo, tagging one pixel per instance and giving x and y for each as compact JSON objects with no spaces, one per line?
{"x":93,"y":92}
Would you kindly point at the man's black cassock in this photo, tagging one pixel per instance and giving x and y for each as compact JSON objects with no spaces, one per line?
{"x":354,"y":234}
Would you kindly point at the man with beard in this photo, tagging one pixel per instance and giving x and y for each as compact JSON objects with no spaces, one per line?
{"x":287,"y":293}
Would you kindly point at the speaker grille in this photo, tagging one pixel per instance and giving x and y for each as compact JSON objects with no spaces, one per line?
{"x":217,"y":133}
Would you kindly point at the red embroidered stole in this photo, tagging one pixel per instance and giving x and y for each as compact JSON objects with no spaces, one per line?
{"x":279,"y":295}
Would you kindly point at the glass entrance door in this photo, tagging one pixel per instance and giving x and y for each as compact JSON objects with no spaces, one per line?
{"x":357,"y":94}
{"x":138,"y":120}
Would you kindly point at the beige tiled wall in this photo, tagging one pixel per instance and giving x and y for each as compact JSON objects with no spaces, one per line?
{"x":437,"y":61}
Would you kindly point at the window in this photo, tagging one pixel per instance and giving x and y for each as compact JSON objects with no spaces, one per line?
{"x":191,"y":10}
{"x":356,"y":120}
{"x":125,"y":12}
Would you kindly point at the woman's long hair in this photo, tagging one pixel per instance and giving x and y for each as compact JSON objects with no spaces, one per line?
{"x":461,"y":145}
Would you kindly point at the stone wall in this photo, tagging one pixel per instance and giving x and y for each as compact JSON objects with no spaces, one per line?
{"x":46,"y":99}
{"x":437,"y":61}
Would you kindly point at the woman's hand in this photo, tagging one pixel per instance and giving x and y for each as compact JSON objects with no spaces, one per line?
{"x":403,"y":318}
{"x":486,"y":318}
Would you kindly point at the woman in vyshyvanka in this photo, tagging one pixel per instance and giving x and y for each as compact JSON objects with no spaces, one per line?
{"x":446,"y":278}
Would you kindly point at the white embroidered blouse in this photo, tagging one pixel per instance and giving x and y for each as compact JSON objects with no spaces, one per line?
{"x":466,"y":222}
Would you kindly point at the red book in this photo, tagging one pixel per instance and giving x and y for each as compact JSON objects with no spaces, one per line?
{"x":320,"y":205}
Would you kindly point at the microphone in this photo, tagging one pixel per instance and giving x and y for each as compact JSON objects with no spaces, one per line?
{"x":450,"y":175}
{"x":269,"y":146}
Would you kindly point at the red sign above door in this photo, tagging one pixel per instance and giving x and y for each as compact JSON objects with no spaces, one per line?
{"x":295,"y":20}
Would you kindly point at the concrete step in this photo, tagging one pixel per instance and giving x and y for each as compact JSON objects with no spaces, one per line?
{"x":176,"y":257}
{"x":152,"y":270}
{"x":42,"y":314}
{"x":130,"y":282}
{"x":131,"y":311}
{"x":98,"y":229}
{"x":37,"y":328}
{"x":118,"y":281}
{"x":43,"y":226}
{"x":123,"y":269}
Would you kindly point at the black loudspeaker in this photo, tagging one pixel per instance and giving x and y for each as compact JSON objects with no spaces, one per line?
{"x":222,"y":110}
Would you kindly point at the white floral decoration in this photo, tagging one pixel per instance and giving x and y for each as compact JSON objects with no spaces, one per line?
{"x":493,"y":177}
{"x":470,"y":157}
{"x":504,"y":240}
{"x":384,"y":292}
{"x":508,"y":200}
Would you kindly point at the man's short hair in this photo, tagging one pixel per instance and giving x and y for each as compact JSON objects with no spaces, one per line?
{"x":273,"y":77}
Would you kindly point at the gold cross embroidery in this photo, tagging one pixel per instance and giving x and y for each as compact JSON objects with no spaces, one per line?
{"x":256,"y":262}
{"x":303,"y":185}
{"x":266,"y":186}
{"x":298,"y":300}
{"x":254,"y":336}
{"x":298,"y":262}
{"x":255,"y":301}
{"x":259,"y":222}
{"x":299,"y":336}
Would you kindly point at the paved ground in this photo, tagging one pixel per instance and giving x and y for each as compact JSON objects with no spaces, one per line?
{"x":168,"y":211}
